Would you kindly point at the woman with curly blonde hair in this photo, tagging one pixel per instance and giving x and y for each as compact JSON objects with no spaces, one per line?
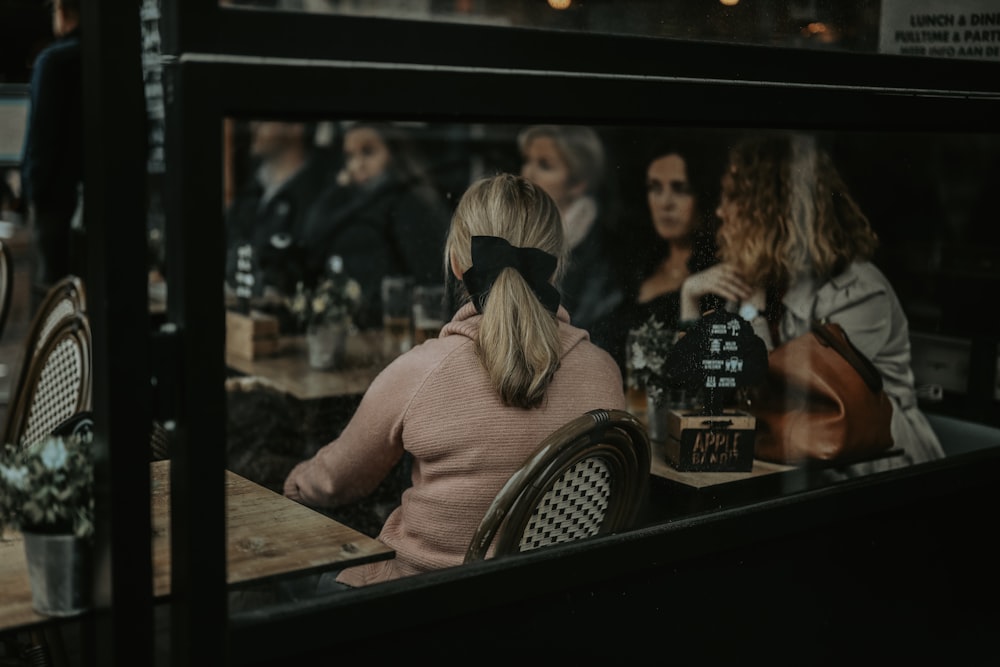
{"x":794,"y":246}
{"x":470,"y":405}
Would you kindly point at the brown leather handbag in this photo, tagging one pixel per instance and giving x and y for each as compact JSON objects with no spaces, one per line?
{"x":822,"y":400}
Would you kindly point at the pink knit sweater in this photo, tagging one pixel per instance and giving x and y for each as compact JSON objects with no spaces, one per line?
{"x":436,"y":402}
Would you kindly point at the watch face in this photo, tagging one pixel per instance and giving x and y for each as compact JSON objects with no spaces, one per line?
{"x":748,"y":311}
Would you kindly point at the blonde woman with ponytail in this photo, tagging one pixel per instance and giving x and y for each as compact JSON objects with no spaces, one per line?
{"x":473,"y":403}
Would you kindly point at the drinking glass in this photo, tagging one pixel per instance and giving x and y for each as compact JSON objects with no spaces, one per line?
{"x":397,"y":321}
{"x":428,"y":312}
{"x":635,"y":395}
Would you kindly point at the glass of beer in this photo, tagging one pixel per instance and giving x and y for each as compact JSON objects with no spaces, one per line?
{"x":634,"y":393}
{"x":397,"y":322}
{"x":428,"y":312}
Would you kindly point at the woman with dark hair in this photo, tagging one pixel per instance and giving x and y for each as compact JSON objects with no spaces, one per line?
{"x":676,"y":241}
{"x":383,"y":217}
{"x":472,"y":404}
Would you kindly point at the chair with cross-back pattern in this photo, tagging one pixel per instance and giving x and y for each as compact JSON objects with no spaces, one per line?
{"x":6,"y":283}
{"x":57,"y":385}
{"x":588,"y":478}
{"x":64,"y":299}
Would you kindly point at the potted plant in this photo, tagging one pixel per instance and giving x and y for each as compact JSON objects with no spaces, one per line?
{"x":47,"y":493}
{"x":326,"y":314}
{"x":649,"y":347}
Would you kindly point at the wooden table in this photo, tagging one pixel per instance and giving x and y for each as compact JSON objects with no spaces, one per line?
{"x":683,"y":493}
{"x":701,"y":480}
{"x":290,"y":372}
{"x":688,"y":492}
{"x":15,"y":593}
{"x":267,"y":535}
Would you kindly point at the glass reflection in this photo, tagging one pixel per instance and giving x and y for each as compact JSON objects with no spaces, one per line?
{"x":378,"y":195}
{"x":965,"y":30}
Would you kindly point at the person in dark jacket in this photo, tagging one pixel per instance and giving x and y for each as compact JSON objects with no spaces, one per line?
{"x":672,"y":240}
{"x":383,"y":218}
{"x":52,"y":164}
{"x":269,"y":213}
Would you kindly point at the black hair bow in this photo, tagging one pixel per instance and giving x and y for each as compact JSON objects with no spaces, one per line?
{"x":491,"y":255}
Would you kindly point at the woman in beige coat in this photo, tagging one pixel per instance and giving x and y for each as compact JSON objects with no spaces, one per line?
{"x":795,"y":246}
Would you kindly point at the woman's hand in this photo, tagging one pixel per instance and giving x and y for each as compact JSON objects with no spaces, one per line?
{"x":721,"y":280}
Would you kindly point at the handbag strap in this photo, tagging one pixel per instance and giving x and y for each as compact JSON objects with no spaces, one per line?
{"x":842,"y":344}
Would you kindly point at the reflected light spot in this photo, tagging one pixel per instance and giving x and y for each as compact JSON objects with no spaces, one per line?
{"x":560,"y":4}
{"x":730,"y":3}
{"x":821,"y":33}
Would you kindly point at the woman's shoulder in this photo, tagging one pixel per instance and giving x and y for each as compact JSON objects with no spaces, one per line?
{"x":409,"y":371}
{"x":860,"y":280}
{"x":579,"y":349}
{"x":860,"y":283}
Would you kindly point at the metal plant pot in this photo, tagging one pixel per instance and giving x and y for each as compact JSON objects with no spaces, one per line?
{"x":59,"y":571}
{"x":327,"y":344}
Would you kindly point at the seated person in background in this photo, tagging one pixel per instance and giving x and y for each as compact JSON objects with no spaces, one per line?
{"x":567,"y":161}
{"x":473,"y":404}
{"x":794,"y":246}
{"x":676,"y":240}
{"x":383,"y":217}
{"x":269,"y":212}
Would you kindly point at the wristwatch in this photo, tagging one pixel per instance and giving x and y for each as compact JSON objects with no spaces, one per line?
{"x":749,"y":312}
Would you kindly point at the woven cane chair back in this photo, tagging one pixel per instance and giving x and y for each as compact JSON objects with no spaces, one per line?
{"x":6,"y":283}
{"x":57,"y":385}
{"x":63,"y":300}
{"x":588,"y":478}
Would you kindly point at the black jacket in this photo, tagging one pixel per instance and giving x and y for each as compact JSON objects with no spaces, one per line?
{"x":395,"y":228}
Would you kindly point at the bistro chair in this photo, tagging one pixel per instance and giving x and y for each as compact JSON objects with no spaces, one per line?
{"x":63,"y":300}
{"x":588,"y":478}
{"x":6,"y":283}
{"x":57,"y":384}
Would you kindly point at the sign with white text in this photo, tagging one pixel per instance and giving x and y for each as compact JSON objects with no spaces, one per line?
{"x":941,"y":28}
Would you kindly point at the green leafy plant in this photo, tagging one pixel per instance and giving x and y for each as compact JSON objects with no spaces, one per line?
{"x":49,"y":486}
{"x":335,"y":298}
{"x":649,"y":346}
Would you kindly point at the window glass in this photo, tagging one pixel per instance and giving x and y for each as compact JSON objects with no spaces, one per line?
{"x":964,"y":29}
{"x":347,"y":202}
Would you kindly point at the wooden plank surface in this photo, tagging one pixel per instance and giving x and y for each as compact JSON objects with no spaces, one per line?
{"x":289,"y":370}
{"x":15,"y":590}
{"x":701,"y":480}
{"x":267,"y":534}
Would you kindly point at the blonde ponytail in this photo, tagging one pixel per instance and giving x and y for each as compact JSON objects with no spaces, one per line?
{"x":519,"y":343}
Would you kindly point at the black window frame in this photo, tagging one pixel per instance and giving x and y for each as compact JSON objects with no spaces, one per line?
{"x":217,"y":64}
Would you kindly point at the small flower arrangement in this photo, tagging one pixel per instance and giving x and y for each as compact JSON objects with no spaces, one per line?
{"x":335,"y":298}
{"x":649,"y":346}
{"x":49,"y":486}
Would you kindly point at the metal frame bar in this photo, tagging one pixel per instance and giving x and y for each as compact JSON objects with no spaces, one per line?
{"x":623,"y":585}
{"x":196,"y":315}
{"x":251,"y":63}
{"x":208,"y":28}
{"x":348,"y":89}
{"x":115,"y":205}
